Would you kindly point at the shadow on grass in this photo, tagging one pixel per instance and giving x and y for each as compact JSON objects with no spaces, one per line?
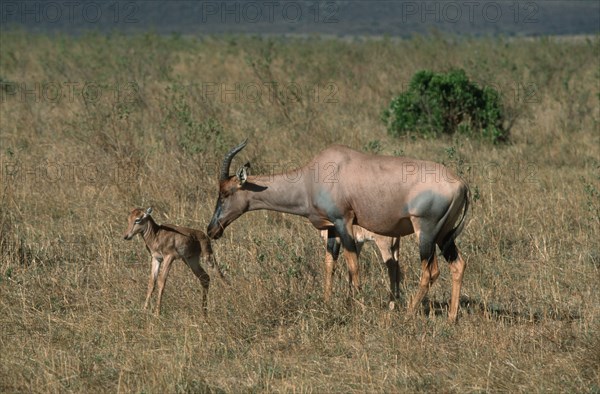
{"x":494,"y":311}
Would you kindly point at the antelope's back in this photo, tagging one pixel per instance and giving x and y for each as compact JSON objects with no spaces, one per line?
{"x":383,"y":192}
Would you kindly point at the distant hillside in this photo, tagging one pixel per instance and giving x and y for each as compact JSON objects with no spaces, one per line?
{"x":340,"y":18}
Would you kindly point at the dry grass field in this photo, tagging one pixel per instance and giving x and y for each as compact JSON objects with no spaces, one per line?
{"x":93,"y":126}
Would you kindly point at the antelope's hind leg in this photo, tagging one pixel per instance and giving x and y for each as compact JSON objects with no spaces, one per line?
{"x":457,"y":268}
{"x":429,"y":270}
{"x":194,"y":264}
{"x":214,"y":268}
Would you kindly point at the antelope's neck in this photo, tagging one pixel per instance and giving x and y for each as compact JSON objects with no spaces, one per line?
{"x":281,"y":192}
{"x":150,"y":234}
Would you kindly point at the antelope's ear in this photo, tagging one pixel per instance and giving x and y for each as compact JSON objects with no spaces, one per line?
{"x":242,"y":173}
{"x":148,"y":211}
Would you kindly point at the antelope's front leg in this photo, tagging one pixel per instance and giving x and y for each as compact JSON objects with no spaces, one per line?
{"x":389,"y":253}
{"x":162,"y":279}
{"x":332,"y":251}
{"x":153,"y":275}
{"x":353,"y":272}
{"x":345,"y":231}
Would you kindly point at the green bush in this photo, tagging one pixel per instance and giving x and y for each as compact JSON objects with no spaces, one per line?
{"x":446,"y":103}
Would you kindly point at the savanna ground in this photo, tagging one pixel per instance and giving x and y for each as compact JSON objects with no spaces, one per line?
{"x":94,"y":126}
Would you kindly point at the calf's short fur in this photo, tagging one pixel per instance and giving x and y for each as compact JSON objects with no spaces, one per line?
{"x":167,"y":243}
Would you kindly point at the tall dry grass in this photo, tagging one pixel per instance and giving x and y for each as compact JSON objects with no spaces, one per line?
{"x":160,"y":113}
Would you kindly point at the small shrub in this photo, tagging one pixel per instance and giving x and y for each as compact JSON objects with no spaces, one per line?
{"x":446,"y":103}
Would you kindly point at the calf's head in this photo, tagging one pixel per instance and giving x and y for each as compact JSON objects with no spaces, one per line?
{"x":137,"y":221}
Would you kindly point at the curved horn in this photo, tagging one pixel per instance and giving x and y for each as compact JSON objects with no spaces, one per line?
{"x":227,"y":161}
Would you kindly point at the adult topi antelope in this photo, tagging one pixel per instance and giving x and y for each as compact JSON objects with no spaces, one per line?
{"x":166,"y":243}
{"x":340,"y":187}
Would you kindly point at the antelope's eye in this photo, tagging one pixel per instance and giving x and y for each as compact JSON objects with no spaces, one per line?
{"x":138,"y":220}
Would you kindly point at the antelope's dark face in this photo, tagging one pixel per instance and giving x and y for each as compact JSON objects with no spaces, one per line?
{"x":233,"y":200}
{"x":136,"y":222}
{"x":231,"y":204}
